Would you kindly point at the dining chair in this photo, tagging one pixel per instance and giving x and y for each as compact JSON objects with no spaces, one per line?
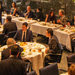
{"x":11,"y":34}
{"x":32,"y":73}
{"x":49,"y":70}
{"x":73,"y":44}
{"x":2,"y":39}
{"x":70,"y":59}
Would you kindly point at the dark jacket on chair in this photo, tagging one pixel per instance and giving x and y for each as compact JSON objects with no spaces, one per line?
{"x":12,"y":66}
{"x":8,"y":27}
{"x":29,"y":36}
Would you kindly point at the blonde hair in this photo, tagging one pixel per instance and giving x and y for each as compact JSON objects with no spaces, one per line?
{"x":71,"y":70}
{"x":62,"y":11}
{"x":10,"y":42}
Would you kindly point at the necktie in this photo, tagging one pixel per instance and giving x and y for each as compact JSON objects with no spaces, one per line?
{"x":24,"y":37}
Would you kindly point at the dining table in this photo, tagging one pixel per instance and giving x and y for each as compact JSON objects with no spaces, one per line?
{"x":64,"y":36}
{"x":34,"y":52}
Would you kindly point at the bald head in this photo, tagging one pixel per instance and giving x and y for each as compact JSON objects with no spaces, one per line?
{"x":28,"y":8}
{"x":61,"y":12}
{"x":10,"y":42}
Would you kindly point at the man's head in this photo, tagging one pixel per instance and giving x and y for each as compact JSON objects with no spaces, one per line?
{"x":24,"y":26}
{"x":8,"y":19}
{"x":39,"y":10}
{"x":61,"y":12}
{"x":10,"y":42}
{"x":28,"y":8}
{"x":49,"y":32}
{"x":15,"y":50}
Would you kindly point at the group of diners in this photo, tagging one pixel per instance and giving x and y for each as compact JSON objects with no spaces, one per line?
{"x":12,"y":55}
{"x":11,"y":62}
{"x":38,"y":15}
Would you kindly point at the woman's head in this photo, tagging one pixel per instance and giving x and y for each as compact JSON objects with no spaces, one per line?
{"x":51,"y":13}
{"x":14,"y":4}
{"x":39,"y":10}
{"x":49,"y":32}
{"x":71,"y":70}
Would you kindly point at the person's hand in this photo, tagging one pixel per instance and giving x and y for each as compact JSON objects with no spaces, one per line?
{"x":58,"y":21}
{"x":46,"y":50}
{"x":46,"y":18}
{"x":46,"y":15}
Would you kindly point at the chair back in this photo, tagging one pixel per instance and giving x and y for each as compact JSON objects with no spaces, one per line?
{"x":32,"y":73}
{"x":49,"y":70}
{"x":28,"y":66}
{"x":73,"y":44}
{"x":11,"y":34}
{"x":71,"y":59}
{"x":56,"y":57}
{"x":2,"y":38}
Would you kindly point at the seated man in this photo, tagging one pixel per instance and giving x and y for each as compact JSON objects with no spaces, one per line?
{"x":63,"y":18}
{"x":53,"y":45}
{"x":29,"y":13}
{"x":6,"y":52}
{"x":9,"y":26}
{"x":24,"y":35}
{"x":13,"y":65}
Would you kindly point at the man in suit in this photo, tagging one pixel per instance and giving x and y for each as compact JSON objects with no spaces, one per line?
{"x":53,"y":44}
{"x":13,"y":65}
{"x":6,"y":52}
{"x":9,"y":26}
{"x":63,"y":18}
{"x":24,"y":35}
{"x":29,"y":13}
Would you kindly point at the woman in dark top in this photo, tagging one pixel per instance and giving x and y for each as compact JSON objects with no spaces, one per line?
{"x":13,"y":9}
{"x":50,"y":17}
{"x":39,"y":14}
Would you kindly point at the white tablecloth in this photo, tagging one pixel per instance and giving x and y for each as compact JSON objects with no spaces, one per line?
{"x":39,"y":28}
{"x":64,"y":38}
{"x":36,"y":57}
{"x":36,"y":27}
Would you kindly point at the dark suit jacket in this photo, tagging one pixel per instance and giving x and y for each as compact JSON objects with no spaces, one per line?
{"x":6,"y":53}
{"x":53,"y":45}
{"x":12,"y":66}
{"x":8,"y":27}
{"x":29,"y":36}
{"x":31,"y":14}
{"x":40,"y":16}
